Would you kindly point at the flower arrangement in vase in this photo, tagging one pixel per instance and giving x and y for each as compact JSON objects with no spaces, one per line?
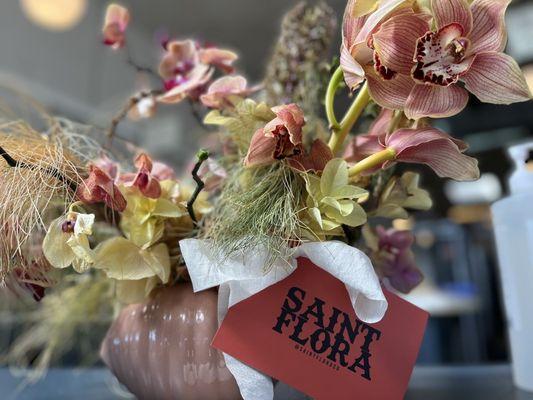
{"x":279,"y":178}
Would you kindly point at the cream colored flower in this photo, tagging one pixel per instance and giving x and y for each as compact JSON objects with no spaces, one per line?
{"x":333,"y":202}
{"x":143,"y":219}
{"x":122,"y":259}
{"x":66,"y":242}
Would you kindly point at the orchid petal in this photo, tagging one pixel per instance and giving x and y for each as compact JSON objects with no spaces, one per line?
{"x":452,"y":11}
{"x":395,"y":42}
{"x":354,"y":73}
{"x":261,"y":151}
{"x":222,"y":89}
{"x":496,"y":78}
{"x":435,"y":101}
{"x":177,"y":51}
{"x":220,"y":58}
{"x":488,"y":32}
{"x":391,"y":93}
{"x":436,"y":149}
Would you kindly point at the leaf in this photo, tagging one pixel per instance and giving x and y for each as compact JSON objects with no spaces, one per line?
{"x":335,"y":175}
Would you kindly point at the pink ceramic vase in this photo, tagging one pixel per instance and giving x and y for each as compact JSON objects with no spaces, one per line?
{"x":160,"y":349}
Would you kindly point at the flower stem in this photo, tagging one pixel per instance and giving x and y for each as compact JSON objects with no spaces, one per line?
{"x":202,"y":155}
{"x":333,"y":85}
{"x":349,"y":120}
{"x":372,"y":161}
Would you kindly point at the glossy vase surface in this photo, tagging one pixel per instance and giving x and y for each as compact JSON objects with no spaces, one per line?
{"x":160,"y":349}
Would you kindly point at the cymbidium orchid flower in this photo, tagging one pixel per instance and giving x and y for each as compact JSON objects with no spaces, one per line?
{"x":361,"y":20}
{"x":144,"y":180}
{"x":427,"y":146}
{"x":186,"y":69}
{"x":279,"y":139}
{"x":66,"y":242}
{"x":393,"y":258}
{"x":100,"y":188}
{"x":115,"y":24}
{"x":225,"y":92}
{"x":331,"y":200}
{"x":418,"y":70}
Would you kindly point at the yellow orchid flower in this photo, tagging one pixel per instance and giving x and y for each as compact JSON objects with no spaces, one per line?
{"x":122,"y":259}
{"x":332,"y":201}
{"x":143,"y":219}
{"x":66,"y":242}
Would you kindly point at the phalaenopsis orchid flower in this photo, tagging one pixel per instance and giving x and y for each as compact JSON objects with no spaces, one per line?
{"x":413,"y":68}
{"x":144,"y":179}
{"x":394,"y":259}
{"x":225,"y":91}
{"x":115,"y":24}
{"x":187,"y":68}
{"x":100,"y":188}
{"x":280,"y":138}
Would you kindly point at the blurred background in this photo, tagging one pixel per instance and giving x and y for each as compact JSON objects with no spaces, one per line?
{"x":52,"y":51}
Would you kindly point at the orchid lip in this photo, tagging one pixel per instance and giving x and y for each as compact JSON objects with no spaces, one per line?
{"x":441,"y":56}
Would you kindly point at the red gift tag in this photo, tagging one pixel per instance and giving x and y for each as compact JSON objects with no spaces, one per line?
{"x":303,"y":331}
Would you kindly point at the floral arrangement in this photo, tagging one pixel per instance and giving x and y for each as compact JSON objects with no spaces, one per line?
{"x":279,"y":175}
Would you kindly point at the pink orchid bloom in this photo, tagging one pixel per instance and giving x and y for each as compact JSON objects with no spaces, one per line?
{"x":220,"y":58}
{"x":224,"y":91}
{"x":279,"y":139}
{"x":115,"y":24}
{"x":187,"y":69}
{"x":182,"y":71}
{"x":419,"y":70}
{"x":100,"y":188}
{"x":144,"y":180}
{"x":357,"y":30}
{"x":428,"y":146}
{"x":395,"y":260}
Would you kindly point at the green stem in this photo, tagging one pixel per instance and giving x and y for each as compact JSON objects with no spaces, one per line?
{"x":372,"y":161}
{"x":352,"y":115}
{"x":333,"y":85}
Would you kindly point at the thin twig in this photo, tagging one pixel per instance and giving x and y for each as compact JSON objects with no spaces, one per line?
{"x":139,"y":68}
{"x":202,"y":155}
{"x":123,"y":113}
{"x":55,"y":173}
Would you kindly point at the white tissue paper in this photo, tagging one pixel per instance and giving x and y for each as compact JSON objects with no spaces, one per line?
{"x":243,"y":275}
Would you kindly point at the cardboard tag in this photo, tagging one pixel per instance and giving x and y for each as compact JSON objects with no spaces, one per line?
{"x":303,"y":331}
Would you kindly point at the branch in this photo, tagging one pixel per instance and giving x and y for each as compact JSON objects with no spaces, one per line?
{"x":53,"y":172}
{"x":202,"y":155}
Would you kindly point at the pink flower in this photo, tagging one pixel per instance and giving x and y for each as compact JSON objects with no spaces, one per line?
{"x":427,"y":146}
{"x":224,"y":91}
{"x":415,"y":69}
{"x":115,"y":24}
{"x":144,"y":180}
{"x":162,"y":172}
{"x":395,"y":260}
{"x":182,"y":71}
{"x":99,"y":187}
{"x":220,"y":58}
{"x":187,"y":69}
{"x":279,"y":139}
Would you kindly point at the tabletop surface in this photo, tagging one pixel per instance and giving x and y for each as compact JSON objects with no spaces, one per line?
{"x":435,"y":383}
